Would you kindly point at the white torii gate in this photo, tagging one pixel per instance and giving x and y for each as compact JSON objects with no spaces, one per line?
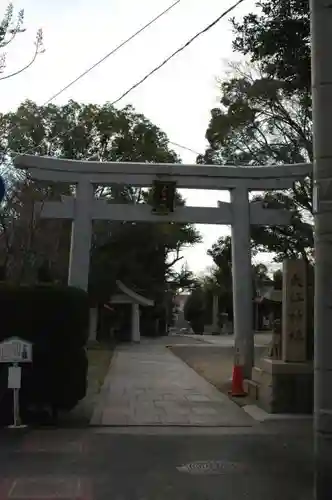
{"x":239,"y":213}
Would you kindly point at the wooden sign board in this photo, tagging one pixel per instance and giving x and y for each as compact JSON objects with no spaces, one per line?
{"x":163,"y":197}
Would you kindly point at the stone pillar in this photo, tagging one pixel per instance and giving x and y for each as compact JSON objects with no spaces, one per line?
{"x":242,"y":279}
{"x":294,"y":311}
{"x":93,"y":324}
{"x":79,"y":259}
{"x":135,"y":323}
{"x":321,"y":50}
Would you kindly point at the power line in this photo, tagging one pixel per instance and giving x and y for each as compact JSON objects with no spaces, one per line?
{"x":157,"y":68}
{"x":100,"y":61}
{"x":112,"y":52}
{"x":184,"y":147}
{"x":180,"y":49}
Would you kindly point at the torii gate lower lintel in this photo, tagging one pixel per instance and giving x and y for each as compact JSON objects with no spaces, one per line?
{"x":239,"y":213}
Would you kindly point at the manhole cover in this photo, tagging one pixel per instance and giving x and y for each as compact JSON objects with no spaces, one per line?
{"x":210,"y":467}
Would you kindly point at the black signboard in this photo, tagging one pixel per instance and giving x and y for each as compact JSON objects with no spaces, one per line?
{"x":163,"y":197}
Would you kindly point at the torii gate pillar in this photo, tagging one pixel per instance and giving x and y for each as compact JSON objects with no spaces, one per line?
{"x":242,"y":279}
{"x":240,"y":214}
{"x":79,"y":259}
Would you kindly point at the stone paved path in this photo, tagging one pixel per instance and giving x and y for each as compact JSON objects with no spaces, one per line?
{"x":148,"y":385}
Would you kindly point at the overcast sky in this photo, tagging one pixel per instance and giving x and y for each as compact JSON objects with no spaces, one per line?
{"x":178,"y":98}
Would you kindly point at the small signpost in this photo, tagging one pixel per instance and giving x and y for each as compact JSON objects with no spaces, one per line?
{"x":14,"y":351}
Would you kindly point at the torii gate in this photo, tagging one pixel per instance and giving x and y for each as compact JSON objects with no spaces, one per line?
{"x":239,"y":213}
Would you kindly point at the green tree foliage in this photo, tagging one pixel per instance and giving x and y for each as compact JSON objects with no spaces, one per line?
{"x":277,"y":279}
{"x":279,"y":38}
{"x":220,"y":278}
{"x":85,"y":131}
{"x":218,"y":282}
{"x":259,"y":123}
{"x":143,"y":254}
{"x":183,"y":279}
{"x":195,"y":309}
{"x":260,"y":277}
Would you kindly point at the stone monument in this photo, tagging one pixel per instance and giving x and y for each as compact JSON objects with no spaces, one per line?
{"x":282,"y":381}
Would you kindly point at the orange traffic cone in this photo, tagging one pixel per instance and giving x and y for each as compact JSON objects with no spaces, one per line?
{"x":237,"y":382}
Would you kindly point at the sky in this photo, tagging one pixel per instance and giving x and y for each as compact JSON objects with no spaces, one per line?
{"x":178,"y":98}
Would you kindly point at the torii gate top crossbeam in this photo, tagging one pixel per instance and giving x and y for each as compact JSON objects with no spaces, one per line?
{"x":143,"y":174}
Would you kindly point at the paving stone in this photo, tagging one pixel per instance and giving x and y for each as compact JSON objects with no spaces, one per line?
{"x":170,"y":397}
{"x":157,"y":387}
{"x":198,"y":398}
{"x":115,"y":420}
{"x":174,"y":409}
{"x":144,"y":419}
{"x":175,"y":419}
{"x":199,"y":410}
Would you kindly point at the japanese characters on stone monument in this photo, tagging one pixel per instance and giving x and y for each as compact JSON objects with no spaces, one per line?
{"x":294,"y":311}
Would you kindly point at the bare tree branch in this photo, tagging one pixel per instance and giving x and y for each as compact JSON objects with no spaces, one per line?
{"x":5,"y":30}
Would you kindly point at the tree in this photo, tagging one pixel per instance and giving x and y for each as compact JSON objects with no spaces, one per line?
{"x":143,"y":254}
{"x":26,"y":241}
{"x":279,"y":38}
{"x":259,"y":123}
{"x":260,"y":273}
{"x":10,"y":27}
{"x":277,"y":279}
{"x":195,"y":309}
{"x":221,"y":280}
{"x":184,"y":279}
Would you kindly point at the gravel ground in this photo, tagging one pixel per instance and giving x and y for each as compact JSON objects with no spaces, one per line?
{"x":214,"y":363}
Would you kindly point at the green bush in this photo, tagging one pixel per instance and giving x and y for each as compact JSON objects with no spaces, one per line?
{"x":194,"y":309}
{"x":56,"y":321}
{"x":45,"y":313}
{"x":58,"y":380}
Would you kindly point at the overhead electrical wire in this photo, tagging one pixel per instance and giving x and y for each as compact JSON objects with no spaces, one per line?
{"x":176,"y":144}
{"x":112,"y":52}
{"x":105,"y":57}
{"x":148,"y":75}
{"x":180,"y":49}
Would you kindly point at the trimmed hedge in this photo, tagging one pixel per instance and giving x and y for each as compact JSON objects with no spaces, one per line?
{"x":56,"y":320}
{"x":45,"y":314}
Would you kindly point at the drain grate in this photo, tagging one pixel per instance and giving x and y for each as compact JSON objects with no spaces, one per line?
{"x":210,"y":467}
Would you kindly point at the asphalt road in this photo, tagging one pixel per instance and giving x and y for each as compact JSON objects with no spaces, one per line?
{"x":85,"y":465}
{"x":267,"y":461}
